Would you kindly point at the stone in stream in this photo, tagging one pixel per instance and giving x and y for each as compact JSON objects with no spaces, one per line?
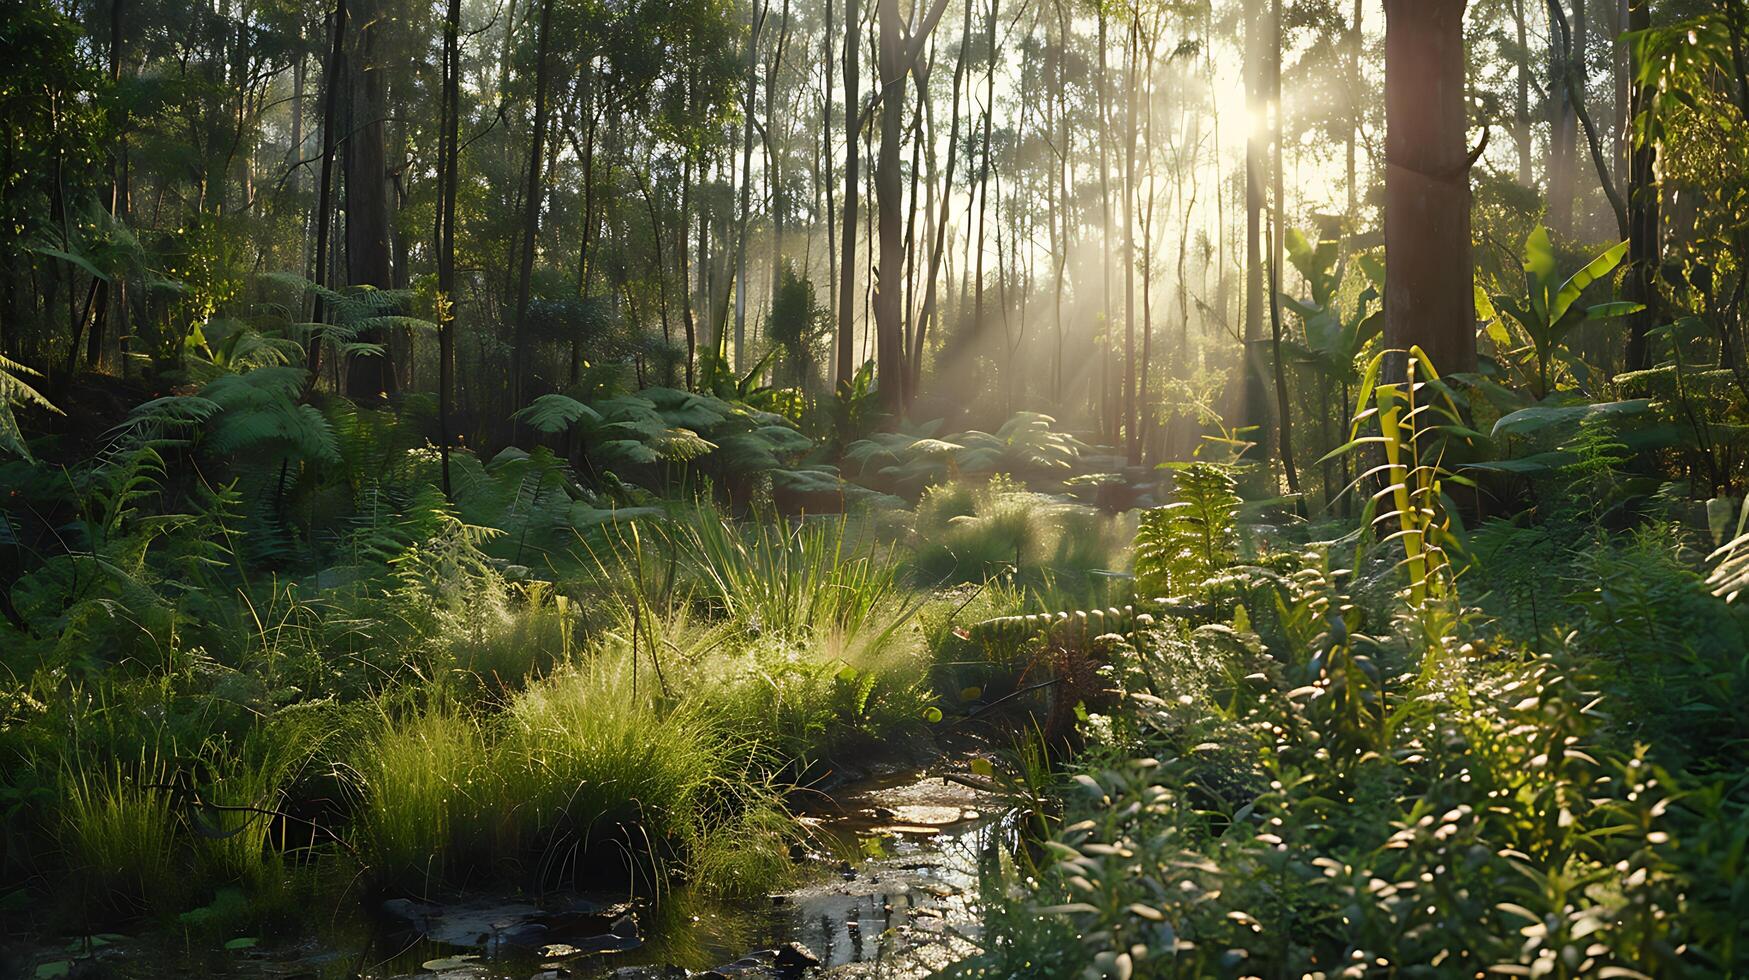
{"x":795,"y":956}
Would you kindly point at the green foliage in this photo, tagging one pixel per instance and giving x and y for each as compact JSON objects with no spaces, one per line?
{"x":1551,"y":309}
{"x":425,"y":787}
{"x":772,"y":576}
{"x":118,"y":833}
{"x":1026,"y":446}
{"x":1344,"y":806}
{"x":1180,"y":545}
{"x":258,"y":414}
{"x":14,"y":392}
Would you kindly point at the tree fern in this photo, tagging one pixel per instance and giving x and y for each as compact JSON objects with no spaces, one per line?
{"x":14,"y":390}
{"x":1180,"y":545}
{"x":556,"y":413}
{"x":259,"y":413}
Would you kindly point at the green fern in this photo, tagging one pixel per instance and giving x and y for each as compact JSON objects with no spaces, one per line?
{"x":556,"y":413}
{"x":14,"y":390}
{"x":259,"y":413}
{"x":1179,"y":546}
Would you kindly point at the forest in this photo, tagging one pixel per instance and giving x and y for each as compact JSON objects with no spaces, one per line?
{"x":659,"y":489}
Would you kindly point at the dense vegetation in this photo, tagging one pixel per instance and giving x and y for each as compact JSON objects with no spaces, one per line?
{"x":528,"y":447}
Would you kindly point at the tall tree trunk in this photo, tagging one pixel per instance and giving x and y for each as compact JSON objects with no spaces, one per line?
{"x":519,"y":363}
{"x":1429,"y":286}
{"x":1132,"y":445}
{"x":1277,"y":255}
{"x":368,"y":259}
{"x":984,"y":174}
{"x":746,"y":186}
{"x":827,"y":94}
{"x":852,"y":189}
{"x":897,"y":56}
{"x":1256,"y":410}
{"x":1355,"y":98}
{"x":1566,"y":62}
{"x":889,"y":356}
{"x":1522,"y":129}
{"x":448,"y":158}
{"x":928,"y":317}
{"x":1644,"y":245}
{"x":332,"y":86}
{"x":1106,"y":422}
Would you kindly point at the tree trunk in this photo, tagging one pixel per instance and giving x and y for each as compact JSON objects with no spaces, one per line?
{"x":1566,"y":65}
{"x":746,"y":187}
{"x":1429,"y":287}
{"x":852,"y":190}
{"x":531,"y":213}
{"x":332,"y":83}
{"x":449,"y":155}
{"x":368,"y":259}
{"x":1644,"y":246}
{"x":1255,"y":411}
{"x":1132,"y":445}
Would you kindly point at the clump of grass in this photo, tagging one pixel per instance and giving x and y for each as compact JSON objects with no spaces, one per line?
{"x":119,"y":833}
{"x":749,"y":854}
{"x":594,"y":754}
{"x":967,"y":532}
{"x":789,"y":578}
{"x":425,"y":791}
{"x":505,"y":640}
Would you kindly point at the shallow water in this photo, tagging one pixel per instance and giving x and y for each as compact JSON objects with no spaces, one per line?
{"x":891,"y":877}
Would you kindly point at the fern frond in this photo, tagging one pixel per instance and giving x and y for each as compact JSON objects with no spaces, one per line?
{"x":556,"y":413}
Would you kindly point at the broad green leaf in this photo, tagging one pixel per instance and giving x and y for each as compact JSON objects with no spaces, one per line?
{"x":1596,"y":269}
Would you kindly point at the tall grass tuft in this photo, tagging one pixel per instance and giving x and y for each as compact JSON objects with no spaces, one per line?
{"x":789,"y":578}
{"x":593,"y":755}
{"x":118,"y":831}
{"x":506,"y":639}
{"x":425,"y":795}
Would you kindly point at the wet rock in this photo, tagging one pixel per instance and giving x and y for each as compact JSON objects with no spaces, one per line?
{"x":795,"y":956}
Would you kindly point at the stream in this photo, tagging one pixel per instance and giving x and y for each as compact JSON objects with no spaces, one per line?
{"x":888,"y":890}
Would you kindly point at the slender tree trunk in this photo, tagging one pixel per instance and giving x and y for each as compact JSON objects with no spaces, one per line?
{"x":1107,"y":423}
{"x":929,"y":316}
{"x":984,"y":174}
{"x":449,"y":157}
{"x":1564,"y":62}
{"x":852,"y":190}
{"x":1132,"y":445}
{"x":746,"y":187}
{"x":1257,"y":40}
{"x":889,"y":343}
{"x":1645,"y":253}
{"x":332,"y":85}
{"x":1429,"y":291}
{"x":1522,"y":129}
{"x":531,"y":212}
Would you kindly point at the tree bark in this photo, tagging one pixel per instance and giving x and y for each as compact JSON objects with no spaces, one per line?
{"x":852,"y":189}
{"x":331,"y":86}
{"x":368,"y":259}
{"x":531,"y":213}
{"x":1644,"y":246}
{"x":1429,"y":286}
{"x":449,"y":156}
